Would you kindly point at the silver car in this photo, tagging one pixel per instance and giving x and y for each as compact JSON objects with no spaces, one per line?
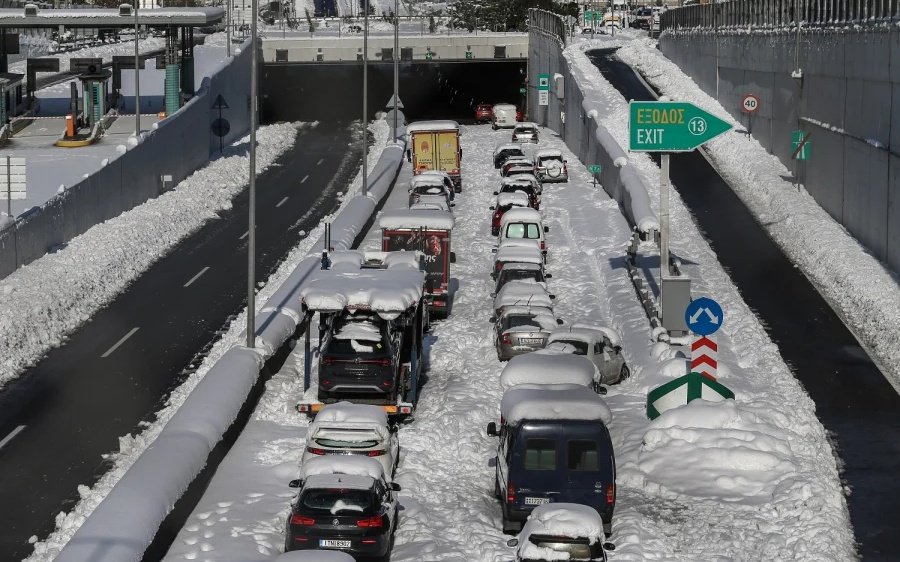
{"x":525,"y":132}
{"x":601,"y":345}
{"x":522,"y":329}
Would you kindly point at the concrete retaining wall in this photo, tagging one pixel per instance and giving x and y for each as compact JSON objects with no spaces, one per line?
{"x":851,"y":80}
{"x":177,"y":146}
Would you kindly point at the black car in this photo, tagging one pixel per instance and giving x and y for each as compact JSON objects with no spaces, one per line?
{"x":503,"y":153}
{"x":520,"y":272}
{"x":360,"y":357}
{"x":354,"y":514}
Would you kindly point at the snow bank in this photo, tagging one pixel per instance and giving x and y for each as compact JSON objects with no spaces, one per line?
{"x":351,"y":465}
{"x":552,"y":402}
{"x":716,"y":450}
{"x":541,"y":368}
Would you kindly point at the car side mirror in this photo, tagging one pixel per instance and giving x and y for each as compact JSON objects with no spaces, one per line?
{"x":493,"y":250}
{"x":496,"y":193}
{"x":408,"y":155}
{"x":617,"y":348}
{"x":601,"y":390}
{"x":452,"y":257}
{"x":548,"y":276}
{"x":492,"y":319}
{"x":493,"y":295}
{"x":546,"y":229}
{"x":453,"y":204}
{"x":552,"y":297}
{"x":492,"y":429}
{"x":492,"y":208}
{"x":559,"y":322}
{"x":515,"y":542}
{"x":606,"y":546}
{"x":295,"y":483}
{"x":394,"y":487}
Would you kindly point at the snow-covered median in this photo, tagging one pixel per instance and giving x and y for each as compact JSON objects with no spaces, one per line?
{"x":862,"y":290}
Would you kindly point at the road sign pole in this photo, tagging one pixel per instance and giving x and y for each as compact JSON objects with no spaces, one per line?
{"x":137,"y":78}
{"x":396,"y":65}
{"x":9,"y":186}
{"x":664,"y":215}
{"x":251,"y":221}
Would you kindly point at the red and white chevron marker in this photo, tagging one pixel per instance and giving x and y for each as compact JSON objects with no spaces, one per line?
{"x":704,"y":356}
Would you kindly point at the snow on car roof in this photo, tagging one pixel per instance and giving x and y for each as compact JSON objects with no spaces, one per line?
{"x":542,"y":315}
{"x":416,"y":218}
{"x":547,"y":152}
{"x":348,"y":412}
{"x":385,"y":291}
{"x":526,"y":125}
{"x":559,"y":520}
{"x":521,"y":254}
{"x":522,"y":266}
{"x":552,"y":402}
{"x":598,"y":331}
{"x":507,"y":146}
{"x":433,"y":173}
{"x":315,"y":556}
{"x":523,"y":293}
{"x":432,"y":126}
{"x":345,"y":465}
{"x":504,"y":105}
{"x":431,"y":202}
{"x":534,"y":368}
{"x":337,"y":480}
{"x":512,"y":198}
{"x":426,"y":179}
{"x":521,"y":215}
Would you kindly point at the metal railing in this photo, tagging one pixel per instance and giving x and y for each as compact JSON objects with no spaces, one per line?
{"x":775,"y":14}
{"x":547,"y":23}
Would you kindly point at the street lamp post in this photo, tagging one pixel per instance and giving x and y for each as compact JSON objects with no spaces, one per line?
{"x":251,"y":222}
{"x":137,"y":75}
{"x":396,"y":65}
{"x":365,"y":105}
{"x":228,"y":6}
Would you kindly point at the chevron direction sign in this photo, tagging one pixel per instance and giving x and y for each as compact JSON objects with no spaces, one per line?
{"x":705,"y":356}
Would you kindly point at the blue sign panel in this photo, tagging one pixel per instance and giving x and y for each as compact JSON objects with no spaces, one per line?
{"x":704,"y":316}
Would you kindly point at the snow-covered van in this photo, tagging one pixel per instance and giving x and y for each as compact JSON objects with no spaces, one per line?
{"x":554,"y":447}
{"x":428,"y":232}
{"x":522,"y":227}
{"x":504,"y":116}
{"x":434,"y":145}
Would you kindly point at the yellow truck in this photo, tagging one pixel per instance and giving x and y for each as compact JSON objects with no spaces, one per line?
{"x":434,"y":146}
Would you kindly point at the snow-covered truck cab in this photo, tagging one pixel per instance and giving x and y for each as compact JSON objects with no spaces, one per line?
{"x":428,"y":232}
{"x":372,"y":317}
{"x":434,"y":145}
{"x":562,"y":531}
{"x":554,"y":447}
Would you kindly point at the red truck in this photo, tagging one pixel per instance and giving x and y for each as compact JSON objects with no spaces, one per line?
{"x":426,"y":231}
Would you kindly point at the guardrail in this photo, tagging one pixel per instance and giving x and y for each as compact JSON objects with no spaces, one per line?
{"x":780,"y":14}
{"x":548,"y":24}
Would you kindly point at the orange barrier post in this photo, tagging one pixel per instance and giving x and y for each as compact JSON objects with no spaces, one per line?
{"x":70,"y":126}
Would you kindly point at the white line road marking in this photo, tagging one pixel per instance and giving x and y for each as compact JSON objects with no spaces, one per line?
{"x":120,"y":342}
{"x":282,"y":202}
{"x":195,"y":277}
{"x":11,"y":436}
{"x":306,"y":177}
{"x":244,"y":235}
{"x":319,"y":163}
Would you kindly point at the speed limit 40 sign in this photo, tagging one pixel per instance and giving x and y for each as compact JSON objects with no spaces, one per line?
{"x":749,"y":103}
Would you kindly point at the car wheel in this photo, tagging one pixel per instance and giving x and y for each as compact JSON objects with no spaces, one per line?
{"x":624,"y":373}
{"x":510,"y":527}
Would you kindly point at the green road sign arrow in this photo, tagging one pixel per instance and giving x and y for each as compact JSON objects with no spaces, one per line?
{"x":671,"y":126}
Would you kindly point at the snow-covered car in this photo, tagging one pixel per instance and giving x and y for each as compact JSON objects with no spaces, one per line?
{"x":344,"y":503}
{"x":515,"y":161}
{"x":522,"y":293}
{"x":602,"y":345}
{"x":550,"y":165}
{"x":429,"y":188}
{"x":503,"y":116}
{"x":508,"y":255}
{"x":520,"y":272}
{"x":522,"y":329}
{"x":537,"y":368}
{"x":554,"y":447}
{"x":515,"y":185}
{"x":522,"y":227}
{"x":353,"y":429}
{"x":562,"y":531}
{"x":505,"y":151}
{"x":505,"y":202}
{"x":433,"y":202}
{"x":444,"y":177}
{"x":525,"y":132}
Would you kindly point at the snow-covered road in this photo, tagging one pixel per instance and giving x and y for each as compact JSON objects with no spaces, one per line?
{"x":745,"y":480}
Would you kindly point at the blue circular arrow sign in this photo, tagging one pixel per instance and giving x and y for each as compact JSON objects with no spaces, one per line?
{"x":704,"y":316}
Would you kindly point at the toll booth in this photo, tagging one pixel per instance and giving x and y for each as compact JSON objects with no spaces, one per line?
{"x":11,"y":99}
{"x":94,"y":93}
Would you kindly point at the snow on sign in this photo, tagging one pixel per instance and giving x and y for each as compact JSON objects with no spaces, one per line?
{"x":12,"y":178}
{"x":682,"y":390}
{"x":704,"y":316}
{"x":750,"y":103}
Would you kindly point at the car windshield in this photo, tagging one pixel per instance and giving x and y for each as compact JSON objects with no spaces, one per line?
{"x":523,"y":230}
{"x":337,"y":500}
{"x":581,"y":347}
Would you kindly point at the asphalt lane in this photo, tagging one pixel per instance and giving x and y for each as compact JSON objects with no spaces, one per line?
{"x":854,"y":401}
{"x":65,"y":413}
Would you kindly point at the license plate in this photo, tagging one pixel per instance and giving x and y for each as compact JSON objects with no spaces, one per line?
{"x":531,"y":340}
{"x":536,"y":501}
{"x":327,"y":543}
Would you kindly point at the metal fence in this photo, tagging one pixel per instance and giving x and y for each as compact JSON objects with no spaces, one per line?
{"x":548,"y":24}
{"x":775,"y":14}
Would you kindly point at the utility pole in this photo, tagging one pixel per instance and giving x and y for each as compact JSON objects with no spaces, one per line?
{"x":396,"y":65}
{"x":365,"y":107}
{"x":137,"y":76}
{"x":251,"y":244}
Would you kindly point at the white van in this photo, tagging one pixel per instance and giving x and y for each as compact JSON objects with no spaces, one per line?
{"x":522,"y":227}
{"x":504,"y":116}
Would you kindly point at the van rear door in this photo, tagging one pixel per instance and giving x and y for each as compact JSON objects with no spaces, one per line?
{"x":448,"y":152}
{"x":537,"y":470}
{"x":589,"y":467}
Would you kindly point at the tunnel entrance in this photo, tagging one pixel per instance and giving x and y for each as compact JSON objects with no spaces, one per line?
{"x":428,"y":90}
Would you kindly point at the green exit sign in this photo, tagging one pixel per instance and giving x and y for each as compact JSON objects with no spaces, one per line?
{"x":594,"y":168}
{"x":664,"y":126}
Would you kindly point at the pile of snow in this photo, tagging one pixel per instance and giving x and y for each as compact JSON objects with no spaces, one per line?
{"x":385,"y":291}
{"x":716,"y":450}
{"x":349,"y":465}
{"x":539,"y":368}
{"x":559,"y":520}
{"x":416,"y":218}
{"x":552,"y":402}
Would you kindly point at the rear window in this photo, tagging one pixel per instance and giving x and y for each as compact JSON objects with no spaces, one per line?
{"x":521,"y":275}
{"x":519,"y":321}
{"x":581,"y":348}
{"x":583,"y":455}
{"x":363,"y":335}
{"x":540,"y":454}
{"x":523,"y":230}
{"x":577,"y":550}
{"x":336,"y":501}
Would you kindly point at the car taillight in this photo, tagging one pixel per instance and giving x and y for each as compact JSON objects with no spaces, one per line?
{"x":505,"y":339}
{"x":316,"y":451}
{"x":497,"y":216}
{"x":327,"y":360}
{"x":543,"y":245}
{"x":383,"y":362}
{"x":498,"y":266}
{"x":379,"y":453}
{"x":376,"y":522}
{"x":301,"y":520}
{"x":611,"y":494}
{"x":510,"y":493}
